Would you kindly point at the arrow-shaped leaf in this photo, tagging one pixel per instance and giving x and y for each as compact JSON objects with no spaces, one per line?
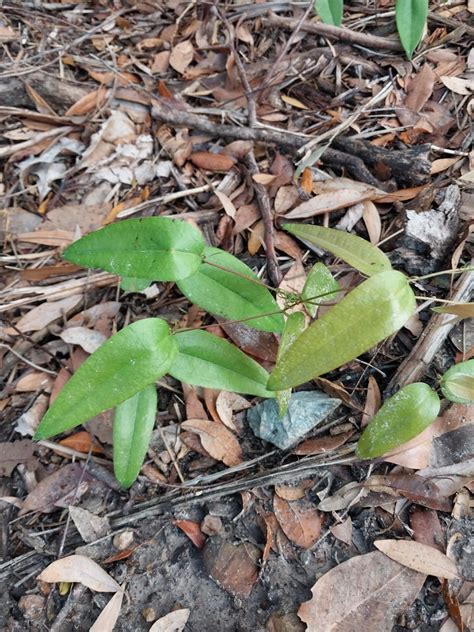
{"x":371,"y":312}
{"x":133,"y":425}
{"x":207,"y":360}
{"x":132,"y":359}
{"x":402,"y":417}
{"x":225,"y":286}
{"x":354,"y":250}
{"x":155,"y":248}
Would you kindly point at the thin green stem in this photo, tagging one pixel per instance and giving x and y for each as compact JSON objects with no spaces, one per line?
{"x":435,"y":274}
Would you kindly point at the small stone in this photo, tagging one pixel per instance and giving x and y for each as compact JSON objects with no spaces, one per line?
{"x":149,"y":614}
{"x":211,"y":525}
{"x":123,"y":541}
{"x":32,"y":606}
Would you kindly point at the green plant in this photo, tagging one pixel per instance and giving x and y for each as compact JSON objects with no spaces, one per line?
{"x":123,"y":371}
{"x":410,"y":16}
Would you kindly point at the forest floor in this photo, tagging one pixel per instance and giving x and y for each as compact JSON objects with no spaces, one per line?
{"x":235,"y":117}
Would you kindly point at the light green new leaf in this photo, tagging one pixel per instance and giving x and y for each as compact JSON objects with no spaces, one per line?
{"x":402,"y":417}
{"x":133,"y":424}
{"x":156,"y":248}
{"x":330,"y":11}
{"x":294,"y":327}
{"x":411,"y":16}
{"x":320,"y":287}
{"x":461,"y":310}
{"x":354,"y":250}
{"x":132,"y":359}
{"x":234,"y":292}
{"x":209,"y":361}
{"x":457,"y":384}
{"x":371,"y":312}
{"x":131,"y":284}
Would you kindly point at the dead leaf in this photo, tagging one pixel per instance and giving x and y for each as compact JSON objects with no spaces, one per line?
{"x":321,"y":445}
{"x":416,"y":488}
{"x":366,"y":590}
{"x":193,"y":531}
{"x":194,"y":407}
{"x":415,"y":453}
{"x":256,"y":238}
{"x":293,"y":283}
{"x":457,"y":85}
{"x":12,"y":453}
{"x":426,"y":527}
{"x":181,"y":56}
{"x":79,"y":569}
{"x":219,"y":442}
{"x":7,"y":34}
{"x":307,"y":180}
{"x":107,"y":619}
{"x":285,"y":198}
{"x":462,"y":310}
{"x":90,"y":526}
{"x":263,"y":178}
{"x":293,"y":102}
{"x":227,"y":203}
{"x":299,"y":520}
{"x":46,"y":313}
{"x":221,"y":163}
{"x":373,"y":401}
{"x":87,"y":339}
{"x":55,"y":238}
{"x":28,"y":422}
{"x":233,"y":566}
{"x":343,"y":531}
{"x":259,"y":344}
{"x":88,"y":103}
{"x":172,"y":622}
{"x":332,"y":201}
{"x":420,"y":88}
{"x":372,"y":222}
{"x":419,"y":557}
{"x":33,"y":381}
{"x":226,"y":404}
{"x":437,"y":166}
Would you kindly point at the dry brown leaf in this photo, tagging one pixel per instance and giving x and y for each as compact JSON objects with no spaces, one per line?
{"x":32,"y":382}
{"x":81,"y":442}
{"x":321,"y":445}
{"x":437,"y":166}
{"x":372,"y":221}
{"x":256,"y":237}
{"x":219,"y":442}
{"x":172,"y":622}
{"x":457,"y":85}
{"x":46,"y":313}
{"x":296,"y":103}
{"x":426,"y":527}
{"x":194,"y":407}
{"x":264,"y":178}
{"x":88,"y":339}
{"x":299,"y":520}
{"x":293,"y":282}
{"x":373,"y":401}
{"x":332,"y":201}
{"x":13,"y":453}
{"x":420,"y":88}
{"x":226,"y":404}
{"x":415,"y":454}
{"x":79,"y":569}
{"x":89,"y":102}
{"x":181,"y":56}
{"x":107,"y":619}
{"x":366,"y":590}
{"x":233,"y":566}
{"x":285,"y":198}
{"x":343,"y":531}
{"x":55,"y":238}
{"x":193,"y":531}
{"x":227,"y":203}
{"x":419,"y":557}
{"x":212,"y":162}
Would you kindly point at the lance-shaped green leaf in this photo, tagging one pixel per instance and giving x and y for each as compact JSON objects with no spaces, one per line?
{"x":402,"y":417}
{"x":457,"y":384}
{"x":411,"y":16}
{"x":354,"y":250}
{"x":226,"y":287}
{"x":294,"y":326}
{"x":330,"y":11}
{"x":209,"y":361}
{"x":132,"y":359}
{"x":133,"y":424}
{"x":320,"y":287}
{"x":372,"y":311}
{"x":156,"y":248}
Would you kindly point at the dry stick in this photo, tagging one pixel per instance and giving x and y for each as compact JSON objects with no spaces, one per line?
{"x":432,"y":338}
{"x":336,"y":32}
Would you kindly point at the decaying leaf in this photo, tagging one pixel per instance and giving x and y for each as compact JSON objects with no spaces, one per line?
{"x":13,"y":453}
{"x":226,"y":404}
{"x":216,"y":439}
{"x":419,"y":557}
{"x":299,"y":519}
{"x":107,"y":619}
{"x":366,"y":589}
{"x":172,"y":622}
{"x":232,"y":566}
{"x":193,"y":531}
{"x":79,"y":569}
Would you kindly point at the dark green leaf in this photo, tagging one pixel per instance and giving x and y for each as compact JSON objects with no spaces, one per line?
{"x":411,"y":16}
{"x":402,"y":417}
{"x":372,"y":311}
{"x":132,"y":359}
{"x":330,"y":11}
{"x":234,"y":292}
{"x":320,"y":287}
{"x":154,"y":248}
{"x":357,"y":252}
{"x":294,"y":327}
{"x":133,"y":425}
{"x":207,"y":360}
{"x":457,"y":384}
{"x":131,"y":284}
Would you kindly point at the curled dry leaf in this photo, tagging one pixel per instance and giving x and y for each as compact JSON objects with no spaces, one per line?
{"x":368,"y":588}
{"x":107,"y":619}
{"x":172,"y":622}
{"x":299,"y":520}
{"x":373,"y":401}
{"x":419,"y":557}
{"x":193,"y":531}
{"x":79,"y":569}
{"x":372,"y":221}
{"x":181,"y":56}
{"x":226,"y":404}
{"x":212,"y":162}
{"x":219,"y":442}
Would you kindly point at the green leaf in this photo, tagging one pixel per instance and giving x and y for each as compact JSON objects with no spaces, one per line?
{"x":131,"y":284}
{"x":320,"y":287}
{"x":330,"y":11}
{"x":457,"y":384}
{"x":234,"y":293}
{"x":411,"y":16}
{"x":372,"y":311}
{"x":209,"y":361}
{"x":133,"y":424}
{"x":132,"y":359}
{"x":461,"y":310}
{"x":401,"y":418}
{"x":156,"y":248}
{"x":355,"y":251}
{"x":294,"y":327}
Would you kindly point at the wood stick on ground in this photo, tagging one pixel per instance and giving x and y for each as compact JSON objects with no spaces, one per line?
{"x":263,"y":199}
{"x":336,"y":32}
{"x":433,"y":337}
